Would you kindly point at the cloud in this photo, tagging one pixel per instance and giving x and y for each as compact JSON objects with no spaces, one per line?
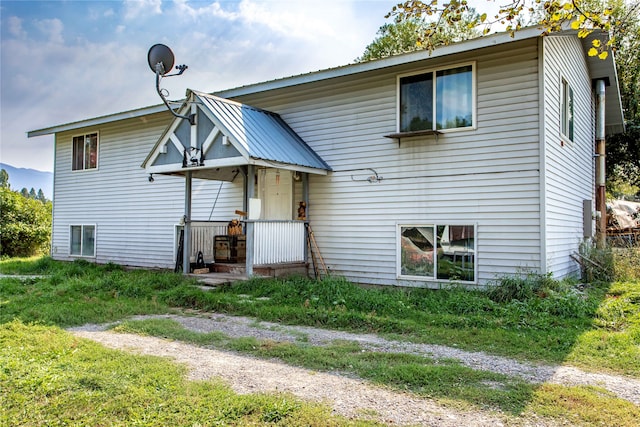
{"x":135,"y":9}
{"x":214,"y":9}
{"x":52,"y":29}
{"x":101,"y":68}
{"x":15,"y":27}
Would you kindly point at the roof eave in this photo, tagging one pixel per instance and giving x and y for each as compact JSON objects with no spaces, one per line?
{"x":378,"y":64}
{"x":130,"y":114}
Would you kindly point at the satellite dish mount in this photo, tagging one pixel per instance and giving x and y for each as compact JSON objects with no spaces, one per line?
{"x":161,"y":62}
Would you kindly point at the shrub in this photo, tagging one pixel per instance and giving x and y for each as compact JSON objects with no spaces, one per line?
{"x":521,"y":287}
{"x":25,"y":225}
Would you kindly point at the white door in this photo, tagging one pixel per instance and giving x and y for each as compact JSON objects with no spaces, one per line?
{"x":275,"y":187}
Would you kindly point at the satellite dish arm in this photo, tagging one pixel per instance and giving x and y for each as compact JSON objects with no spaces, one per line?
{"x":160,"y":71}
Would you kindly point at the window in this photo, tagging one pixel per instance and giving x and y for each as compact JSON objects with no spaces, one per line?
{"x":83,"y":240}
{"x":437,"y":100}
{"x":567,"y":110}
{"x":437,"y":252}
{"x":85,"y":152}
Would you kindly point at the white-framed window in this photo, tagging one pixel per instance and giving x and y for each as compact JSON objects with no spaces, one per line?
{"x":82,"y":240}
{"x":85,"y":152}
{"x":440,"y":99}
{"x":566,"y":110}
{"x":437,"y":251}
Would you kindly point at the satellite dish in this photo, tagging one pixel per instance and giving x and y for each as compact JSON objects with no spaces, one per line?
{"x":160,"y":54}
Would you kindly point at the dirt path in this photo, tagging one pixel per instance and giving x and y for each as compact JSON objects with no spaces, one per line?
{"x":347,"y":396}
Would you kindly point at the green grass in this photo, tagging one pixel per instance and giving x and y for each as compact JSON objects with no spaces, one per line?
{"x":537,"y":319}
{"x":598,"y":328}
{"x":79,"y":292}
{"x":49,"y":377}
{"x":544,"y":327}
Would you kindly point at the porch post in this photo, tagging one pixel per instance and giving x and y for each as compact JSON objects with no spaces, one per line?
{"x":305,"y":192}
{"x":186,"y":254}
{"x":305,"y":198}
{"x":249,"y":192}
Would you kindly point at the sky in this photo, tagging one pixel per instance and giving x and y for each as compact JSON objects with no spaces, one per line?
{"x":67,"y":60}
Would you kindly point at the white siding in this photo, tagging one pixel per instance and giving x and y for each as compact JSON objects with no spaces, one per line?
{"x":488,"y":176}
{"x":135,"y":219}
{"x":569,"y":167}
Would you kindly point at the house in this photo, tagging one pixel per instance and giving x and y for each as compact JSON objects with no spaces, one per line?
{"x":459,"y":166}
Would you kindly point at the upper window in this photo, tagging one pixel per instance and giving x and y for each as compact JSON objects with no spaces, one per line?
{"x":567,"y":110}
{"x":437,"y":252}
{"x":83,"y":240}
{"x":437,"y":100}
{"x":85,"y":151}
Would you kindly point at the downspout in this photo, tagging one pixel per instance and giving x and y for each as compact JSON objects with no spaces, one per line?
{"x":601,"y":204}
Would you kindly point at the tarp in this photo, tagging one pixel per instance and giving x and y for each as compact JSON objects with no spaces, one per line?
{"x":623,"y":214}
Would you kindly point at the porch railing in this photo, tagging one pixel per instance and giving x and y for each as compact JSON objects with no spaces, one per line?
{"x":275,"y":242}
{"x":202,"y":238}
{"x":278,"y":242}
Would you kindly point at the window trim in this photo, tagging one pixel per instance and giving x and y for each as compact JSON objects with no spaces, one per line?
{"x":85,"y":134}
{"x":474,"y":96}
{"x":95,"y":240}
{"x":434,"y":278}
{"x":567,"y":105}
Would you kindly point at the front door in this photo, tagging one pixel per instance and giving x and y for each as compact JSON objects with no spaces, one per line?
{"x":275,"y":188}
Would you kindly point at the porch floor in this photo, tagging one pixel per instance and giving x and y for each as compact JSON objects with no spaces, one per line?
{"x":226,"y":274}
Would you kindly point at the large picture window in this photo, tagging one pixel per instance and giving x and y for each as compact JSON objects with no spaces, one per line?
{"x":83,"y":240}
{"x":437,"y":252}
{"x":437,"y":100}
{"x":567,"y":110}
{"x":85,"y":152}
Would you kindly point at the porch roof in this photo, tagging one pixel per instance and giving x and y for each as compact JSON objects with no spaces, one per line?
{"x":229,"y":134}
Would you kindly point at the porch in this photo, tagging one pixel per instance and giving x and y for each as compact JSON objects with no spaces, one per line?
{"x":279,"y":248}
{"x":224,"y":141}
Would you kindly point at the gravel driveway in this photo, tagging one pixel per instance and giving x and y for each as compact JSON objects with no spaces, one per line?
{"x":347,"y":396}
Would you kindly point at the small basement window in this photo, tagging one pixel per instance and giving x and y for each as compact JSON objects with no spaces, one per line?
{"x":82,"y":240}
{"x":444,"y":252}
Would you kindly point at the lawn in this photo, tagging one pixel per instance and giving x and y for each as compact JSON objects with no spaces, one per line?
{"x":595,"y":327}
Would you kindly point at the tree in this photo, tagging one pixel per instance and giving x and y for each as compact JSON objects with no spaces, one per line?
{"x":404,"y":36}
{"x":32,"y":194}
{"x":24,"y":192}
{"x":25,"y":224}
{"x":623,"y":150}
{"x":41,"y":197}
{"x":585,"y":16}
{"x":4,"y":179}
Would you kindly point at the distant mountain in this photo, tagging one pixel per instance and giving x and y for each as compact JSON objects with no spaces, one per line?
{"x":20,"y":178}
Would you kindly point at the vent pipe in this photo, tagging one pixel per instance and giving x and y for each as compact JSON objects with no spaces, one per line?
{"x":601,"y":204}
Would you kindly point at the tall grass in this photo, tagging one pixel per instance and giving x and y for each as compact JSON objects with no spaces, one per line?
{"x":536,"y":319}
{"x":626,"y":261}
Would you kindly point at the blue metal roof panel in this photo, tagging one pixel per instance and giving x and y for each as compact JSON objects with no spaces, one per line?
{"x":264,"y":134}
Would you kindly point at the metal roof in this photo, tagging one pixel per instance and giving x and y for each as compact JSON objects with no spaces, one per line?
{"x":262,"y":134}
